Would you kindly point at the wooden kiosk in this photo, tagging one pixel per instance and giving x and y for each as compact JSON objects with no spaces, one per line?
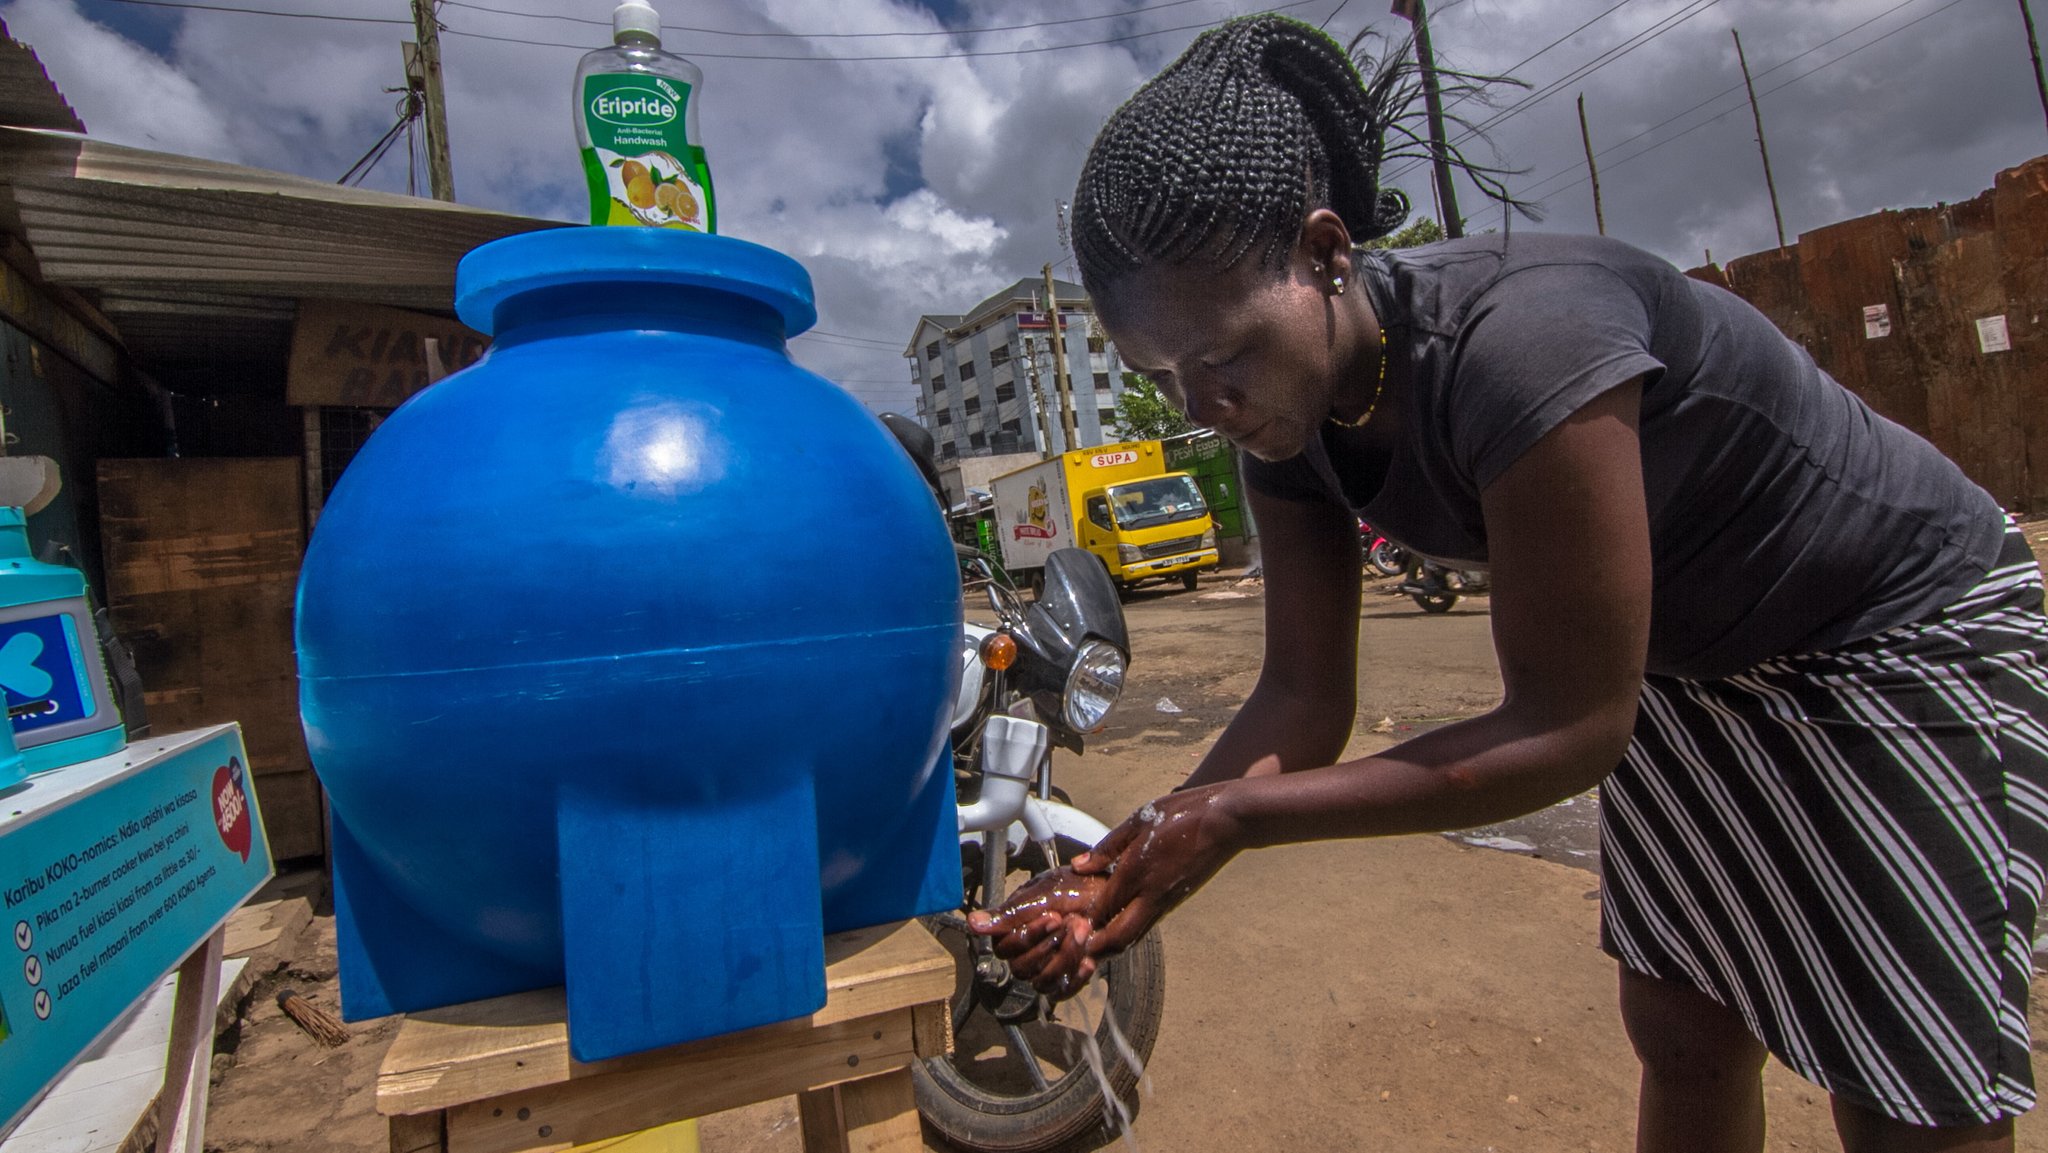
{"x":495,"y":1076}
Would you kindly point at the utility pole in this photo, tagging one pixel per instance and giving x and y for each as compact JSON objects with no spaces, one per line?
{"x":1070,"y":435}
{"x":1447,"y":194}
{"x":1599,"y":218}
{"x":1045,"y":451}
{"x":2034,"y":46}
{"x":1756,"y":114}
{"x":440,"y":173}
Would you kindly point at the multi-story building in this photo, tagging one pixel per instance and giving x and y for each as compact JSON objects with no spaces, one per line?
{"x":975,"y":374}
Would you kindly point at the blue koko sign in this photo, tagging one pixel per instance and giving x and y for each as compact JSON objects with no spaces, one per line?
{"x":112,"y":870}
{"x":43,"y":672}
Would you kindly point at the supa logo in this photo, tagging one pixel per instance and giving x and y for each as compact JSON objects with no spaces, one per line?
{"x":633,"y":107}
{"x":231,"y":808}
{"x":1112,"y":459}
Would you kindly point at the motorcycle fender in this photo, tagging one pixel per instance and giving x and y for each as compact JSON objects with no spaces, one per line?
{"x":968,"y":702}
{"x":1059,"y":820}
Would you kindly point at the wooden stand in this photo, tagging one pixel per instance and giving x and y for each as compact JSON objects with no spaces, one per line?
{"x":496,"y":1076}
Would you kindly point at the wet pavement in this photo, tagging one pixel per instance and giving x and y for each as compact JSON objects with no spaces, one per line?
{"x":1567,"y":832}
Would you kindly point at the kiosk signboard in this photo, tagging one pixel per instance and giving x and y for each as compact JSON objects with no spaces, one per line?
{"x":111,"y":871}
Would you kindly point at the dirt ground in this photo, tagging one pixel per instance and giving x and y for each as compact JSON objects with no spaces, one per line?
{"x":1411,"y":994}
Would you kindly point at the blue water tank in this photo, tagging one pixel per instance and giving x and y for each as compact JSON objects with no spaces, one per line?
{"x":625,"y":655}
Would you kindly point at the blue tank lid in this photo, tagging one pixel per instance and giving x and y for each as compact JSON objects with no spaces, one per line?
{"x":496,"y":272}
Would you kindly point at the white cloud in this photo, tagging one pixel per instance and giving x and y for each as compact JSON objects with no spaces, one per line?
{"x":802,"y":152}
{"x":121,"y":90}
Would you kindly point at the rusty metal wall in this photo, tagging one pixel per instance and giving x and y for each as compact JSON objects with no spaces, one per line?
{"x":1902,"y":307}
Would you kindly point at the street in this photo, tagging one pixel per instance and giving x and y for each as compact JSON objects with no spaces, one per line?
{"x":1413,"y":994}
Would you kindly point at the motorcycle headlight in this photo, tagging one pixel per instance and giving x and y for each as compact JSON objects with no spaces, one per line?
{"x":1209,"y":538}
{"x":1093,"y":687}
{"x":1129,"y":553}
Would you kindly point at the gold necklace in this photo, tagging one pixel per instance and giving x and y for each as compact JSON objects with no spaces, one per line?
{"x":1377,"y":387}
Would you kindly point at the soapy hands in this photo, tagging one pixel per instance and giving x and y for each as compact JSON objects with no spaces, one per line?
{"x":1055,"y":929}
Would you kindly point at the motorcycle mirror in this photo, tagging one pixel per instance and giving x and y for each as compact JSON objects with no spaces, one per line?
{"x":918,"y":443}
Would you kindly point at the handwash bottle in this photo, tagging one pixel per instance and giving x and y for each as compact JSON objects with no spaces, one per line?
{"x":636,"y":122}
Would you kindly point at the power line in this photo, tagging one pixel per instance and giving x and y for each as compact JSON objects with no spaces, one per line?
{"x":261,"y":12}
{"x":1510,"y":69}
{"x":1566,"y":171}
{"x":1738,"y":107}
{"x":1602,"y":60}
{"x":826,"y":35}
{"x":846,"y":336}
{"x":697,"y":55}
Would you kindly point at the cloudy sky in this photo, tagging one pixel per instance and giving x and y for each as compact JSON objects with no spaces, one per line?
{"x":911,"y":152}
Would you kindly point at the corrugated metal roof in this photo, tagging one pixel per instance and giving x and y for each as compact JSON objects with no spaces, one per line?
{"x":27,"y":97}
{"x":119,"y":219}
{"x":194,"y":259}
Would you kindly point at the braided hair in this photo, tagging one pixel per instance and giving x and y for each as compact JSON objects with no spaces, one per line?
{"x":1224,"y":153}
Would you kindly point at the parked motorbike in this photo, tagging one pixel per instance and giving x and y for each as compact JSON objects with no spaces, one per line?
{"x":1045,"y":675}
{"x":1436,"y":588}
{"x":1385,"y":557}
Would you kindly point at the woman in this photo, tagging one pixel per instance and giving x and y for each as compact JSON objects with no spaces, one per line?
{"x":1813,"y":649}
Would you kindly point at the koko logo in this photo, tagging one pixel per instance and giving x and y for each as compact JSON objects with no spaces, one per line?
{"x":231,"y":808}
{"x":18,"y":671}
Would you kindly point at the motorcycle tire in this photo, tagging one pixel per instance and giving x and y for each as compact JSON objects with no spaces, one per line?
{"x":987,"y":1104}
{"x":1436,"y":602}
{"x":1387,"y":558}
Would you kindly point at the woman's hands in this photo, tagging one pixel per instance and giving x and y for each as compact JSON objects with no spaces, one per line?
{"x":1054,"y":929}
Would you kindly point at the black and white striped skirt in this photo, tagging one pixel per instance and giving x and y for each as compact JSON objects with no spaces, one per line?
{"x":1846,"y":848}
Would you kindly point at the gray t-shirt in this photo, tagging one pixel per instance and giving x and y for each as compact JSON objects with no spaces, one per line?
{"x":1785,"y":515}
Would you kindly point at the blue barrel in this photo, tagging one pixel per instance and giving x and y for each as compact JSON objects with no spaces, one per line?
{"x":625,"y":655}
{"x":60,"y":705}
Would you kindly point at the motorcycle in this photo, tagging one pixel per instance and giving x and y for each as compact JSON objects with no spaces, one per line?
{"x":1385,"y":557}
{"x":1045,"y":675}
{"x":1436,"y":588}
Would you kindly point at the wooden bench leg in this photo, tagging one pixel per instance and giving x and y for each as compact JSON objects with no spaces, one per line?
{"x":181,"y":1107}
{"x":420,"y":1133}
{"x":871,"y":1115}
{"x":818,"y":1111}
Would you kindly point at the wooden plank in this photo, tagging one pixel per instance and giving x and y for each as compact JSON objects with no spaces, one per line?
{"x":426,"y":1133}
{"x":294,"y":814}
{"x":880,"y":1114}
{"x":690,"y":1082}
{"x":465,"y":1053}
{"x":818,"y":1119}
{"x":113,"y":1089}
{"x":369,"y":356}
{"x":932,"y":1024}
{"x":202,"y":559}
{"x":181,"y":1107}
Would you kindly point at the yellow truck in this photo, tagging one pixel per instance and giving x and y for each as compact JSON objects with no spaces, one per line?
{"x":1117,"y":501}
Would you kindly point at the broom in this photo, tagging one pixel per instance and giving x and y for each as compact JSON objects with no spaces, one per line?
{"x":318,"y":1023}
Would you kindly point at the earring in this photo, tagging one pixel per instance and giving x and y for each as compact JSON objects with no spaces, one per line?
{"x":1317,"y":268}
{"x":1337,"y":282}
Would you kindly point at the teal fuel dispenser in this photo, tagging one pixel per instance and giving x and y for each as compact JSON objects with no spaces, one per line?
{"x":59,"y":701}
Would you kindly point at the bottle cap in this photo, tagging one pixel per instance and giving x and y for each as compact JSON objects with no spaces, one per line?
{"x":635,"y":16}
